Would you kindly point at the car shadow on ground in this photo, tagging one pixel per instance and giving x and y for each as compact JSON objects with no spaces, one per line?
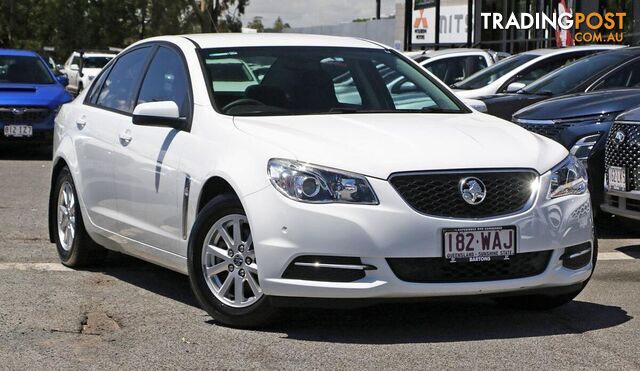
{"x":612,"y":227}
{"x":25,"y":152}
{"x":446,"y":320}
{"x":148,"y":276}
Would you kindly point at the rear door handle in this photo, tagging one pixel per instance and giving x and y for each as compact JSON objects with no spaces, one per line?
{"x":81,"y":123}
{"x":125,"y":138}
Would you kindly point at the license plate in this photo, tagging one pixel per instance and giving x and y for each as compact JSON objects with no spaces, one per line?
{"x":617,"y":179}
{"x":479,"y":244}
{"x":18,"y":131}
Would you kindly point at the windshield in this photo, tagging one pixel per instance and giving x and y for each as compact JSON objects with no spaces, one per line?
{"x":24,"y":70}
{"x":95,"y":62}
{"x":319,"y":80}
{"x":567,"y":78}
{"x":491,"y":74}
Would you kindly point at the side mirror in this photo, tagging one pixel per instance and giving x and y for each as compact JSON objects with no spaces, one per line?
{"x":165,"y":113}
{"x":515,"y":87}
{"x":476,"y":104}
{"x":63,"y":79}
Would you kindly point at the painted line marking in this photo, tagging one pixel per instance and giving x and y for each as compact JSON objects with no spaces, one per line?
{"x":42,"y":267}
{"x":614,"y":255}
{"x":57,"y":267}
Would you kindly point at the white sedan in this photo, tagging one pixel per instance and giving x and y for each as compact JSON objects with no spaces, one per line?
{"x":283,"y":192}
{"x":516,"y":72}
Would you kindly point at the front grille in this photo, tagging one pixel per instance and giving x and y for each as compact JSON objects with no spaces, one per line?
{"x":626,"y":154}
{"x":551,"y":131}
{"x":23,"y":115}
{"x":438,"y":194}
{"x":440,"y":270}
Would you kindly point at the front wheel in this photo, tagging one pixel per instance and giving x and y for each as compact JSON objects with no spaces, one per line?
{"x":223,"y":269}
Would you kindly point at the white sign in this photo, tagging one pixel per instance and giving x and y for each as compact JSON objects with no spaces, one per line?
{"x":454,"y":20}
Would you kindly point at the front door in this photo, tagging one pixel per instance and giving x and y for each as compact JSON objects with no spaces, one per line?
{"x":148,"y":179}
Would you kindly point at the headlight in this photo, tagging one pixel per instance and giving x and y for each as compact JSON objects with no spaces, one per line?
{"x":308,"y":183}
{"x":568,"y":178}
{"x":583,"y":146}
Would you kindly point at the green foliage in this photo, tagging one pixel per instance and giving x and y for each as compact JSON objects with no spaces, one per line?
{"x":256,"y":24}
{"x":71,"y":25}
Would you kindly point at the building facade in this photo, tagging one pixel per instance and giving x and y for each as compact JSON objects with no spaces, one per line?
{"x":455,"y":17}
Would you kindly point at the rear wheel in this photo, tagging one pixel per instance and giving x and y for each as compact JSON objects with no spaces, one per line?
{"x":223,"y":269}
{"x":74,"y":245}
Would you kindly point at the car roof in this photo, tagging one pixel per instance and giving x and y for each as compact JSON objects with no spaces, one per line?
{"x":550,"y":51}
{"x":95,"y":54}
{"x":231,"y":40}
{"x":18,"y":53}
{"x":435,"y":53}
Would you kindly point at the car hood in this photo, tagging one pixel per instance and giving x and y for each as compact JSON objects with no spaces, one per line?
{"x":378,"y":145}
{"x":50,"y":95}
{"x":582,"y":104}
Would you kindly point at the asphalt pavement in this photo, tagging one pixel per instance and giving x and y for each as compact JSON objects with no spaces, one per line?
{"x":129,"y":314}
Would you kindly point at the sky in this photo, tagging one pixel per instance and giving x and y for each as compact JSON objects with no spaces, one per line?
{"x":302,"y":13}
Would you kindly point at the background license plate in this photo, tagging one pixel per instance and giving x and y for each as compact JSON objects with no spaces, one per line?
{"x":617,"y":179}
{"x":479,"y":244}
{"x":18,"y":131}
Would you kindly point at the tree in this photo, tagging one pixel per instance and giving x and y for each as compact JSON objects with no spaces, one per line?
{"x":256,"y":24}
{"x":219,"y":15}
{"x":279,"y":25}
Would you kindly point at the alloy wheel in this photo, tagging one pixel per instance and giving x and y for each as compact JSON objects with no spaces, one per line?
{"x":66,"y":216}
{"x":229,"y":262}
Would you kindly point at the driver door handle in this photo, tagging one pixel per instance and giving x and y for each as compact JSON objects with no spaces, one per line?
{"x":125,"y":138}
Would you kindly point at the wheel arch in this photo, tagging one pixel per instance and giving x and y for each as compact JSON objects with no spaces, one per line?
{"x":212,"y":187}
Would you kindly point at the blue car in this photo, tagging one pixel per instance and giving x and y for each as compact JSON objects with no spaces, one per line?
{"x":30,"y":97}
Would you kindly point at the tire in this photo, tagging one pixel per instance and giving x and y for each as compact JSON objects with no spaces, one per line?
{"x":218,"y":292}
{"x":547,"y":302}
{"x":75,"y":247}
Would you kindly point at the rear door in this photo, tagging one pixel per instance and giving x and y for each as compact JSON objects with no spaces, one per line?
{"x":107,"y":111}
{"x":148,"y":180}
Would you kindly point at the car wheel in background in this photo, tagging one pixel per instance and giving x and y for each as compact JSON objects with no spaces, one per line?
{"x":222,"y":266}
{"x":75,"y":247}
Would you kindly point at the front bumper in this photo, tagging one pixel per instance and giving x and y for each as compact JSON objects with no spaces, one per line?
{"x":625,"y":204}
{"x":42,"y":132}
{"x":283,"y":230}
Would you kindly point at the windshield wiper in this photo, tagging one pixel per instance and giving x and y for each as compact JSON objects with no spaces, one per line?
{"x":437,"y":110}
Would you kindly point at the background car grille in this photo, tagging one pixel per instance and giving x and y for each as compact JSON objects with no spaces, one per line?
{"x":440,"y":270}
{"x":627,"y":154}
{"x":551,"y":131}
{"x":438,"y":194}
{"x":26,"y":115}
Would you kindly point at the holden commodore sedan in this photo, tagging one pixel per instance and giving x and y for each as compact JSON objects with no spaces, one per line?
{"x":286,"y":190}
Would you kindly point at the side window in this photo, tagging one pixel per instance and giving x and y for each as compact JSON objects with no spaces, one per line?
{"x":343,"y":82}
{"x":97,"y":85}
{"x":76,"y":60}
{"x":474,"y":64}
{"x":403,"y":91}
{"x":540,"y":69}
{"x":625,"y":77}
{"x":120,"y":88}
{"x":166,"y":80}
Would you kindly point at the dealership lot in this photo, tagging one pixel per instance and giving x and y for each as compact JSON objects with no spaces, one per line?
{"x":129,"y":314}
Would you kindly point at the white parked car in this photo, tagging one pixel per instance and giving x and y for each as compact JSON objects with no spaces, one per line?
{"x":82,"y":70}
{"x":283,"y":192}
{"x":454,"y":65}
{"x":516,"y":72}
